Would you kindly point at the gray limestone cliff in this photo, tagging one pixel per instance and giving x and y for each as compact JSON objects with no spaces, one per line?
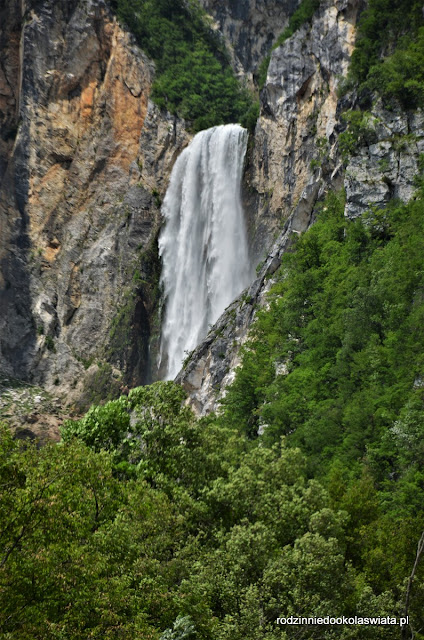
{"x":385,"y":163}
{"x":84,"y":160}
{"x":250,"y":28}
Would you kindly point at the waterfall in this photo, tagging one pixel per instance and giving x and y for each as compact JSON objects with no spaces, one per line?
{"x":203,"y":243}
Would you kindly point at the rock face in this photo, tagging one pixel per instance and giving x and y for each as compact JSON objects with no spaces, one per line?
{"x":84,"y":161}
{"x":384,"y":167}
{"x":250,"y":27}
{"x":294,"y":159}
{"x":296,"y":138}
{"x":30,"y":411}
{"x":298,"y":120}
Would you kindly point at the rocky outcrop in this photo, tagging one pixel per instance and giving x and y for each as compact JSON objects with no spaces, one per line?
{"x":30,"y":411}
{"x":385,"y":165}
{"x":84,"y":162}
{"x":296,"y":136}
{"x":250,"y":28}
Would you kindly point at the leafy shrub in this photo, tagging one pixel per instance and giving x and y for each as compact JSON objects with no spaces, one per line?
{"x":304,"y":13}
{"x":389,"y":52}
{"x":380,"y":28}
{"x":79,"y":550}
{"x":401,"y":75}
{"x":345,"y":320}
{"x":360,"y":130}
{"x":49,"y":342}
{"x":183,"y":630}
{"x":102,"y":427}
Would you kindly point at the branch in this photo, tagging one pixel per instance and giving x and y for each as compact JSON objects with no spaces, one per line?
{"x":420,"y":549}
{"x":96,"y":515}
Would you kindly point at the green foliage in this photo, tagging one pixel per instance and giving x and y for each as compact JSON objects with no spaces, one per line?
{"x":166,"y":430}
{"x":248,"y":120}
{"x":360,"y":130}
{"x":85,"y":554}
{"x":344,"y":318}
{"x":78,"y":549}
{"x":49,"y":342}
{"x":194,"y":78}
{"x":304,"y":13}
{"x":183,"y":629}
{"x":401,"y":75}
{"x":102,"y":427}
{"x":388,"y":57}
{"x":263,"y":70}
{"x":380,"y":27}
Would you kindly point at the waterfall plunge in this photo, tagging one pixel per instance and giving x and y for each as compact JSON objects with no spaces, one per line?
{"x":203,"y":243}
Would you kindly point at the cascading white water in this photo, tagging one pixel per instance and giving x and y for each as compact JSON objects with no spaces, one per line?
{"x":203,"y":243}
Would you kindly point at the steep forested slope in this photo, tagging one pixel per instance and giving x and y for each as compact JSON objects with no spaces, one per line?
{"x":209,"y":526}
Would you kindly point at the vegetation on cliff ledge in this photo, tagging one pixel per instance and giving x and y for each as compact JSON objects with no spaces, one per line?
{"x":194,"y":78}
{"x":303,"y":14}
{"x":389,"y":53}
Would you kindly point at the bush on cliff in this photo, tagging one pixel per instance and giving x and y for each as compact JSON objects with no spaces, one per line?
{"x":389,"y":53}
{"x":194,"y":78}
{"x":304,"y":13}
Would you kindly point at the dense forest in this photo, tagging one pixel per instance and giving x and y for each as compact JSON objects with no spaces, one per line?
{"x":304,"y":495}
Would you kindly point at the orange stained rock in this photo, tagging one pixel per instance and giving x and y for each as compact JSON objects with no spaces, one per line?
{"x":128,"y":111}
{"x":120,"y":97}
{"x":87,"y":99}
{"x":44,"y":196}
{"x":50,"y":253}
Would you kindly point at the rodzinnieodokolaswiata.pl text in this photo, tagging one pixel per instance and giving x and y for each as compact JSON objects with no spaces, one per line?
{"x":344,"y":620}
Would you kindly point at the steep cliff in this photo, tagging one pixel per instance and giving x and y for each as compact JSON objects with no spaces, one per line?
{"x":305,"y":493}
{"x":250,"y":27}
{"x":295,"y":158}
{"x":84,"y":159}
